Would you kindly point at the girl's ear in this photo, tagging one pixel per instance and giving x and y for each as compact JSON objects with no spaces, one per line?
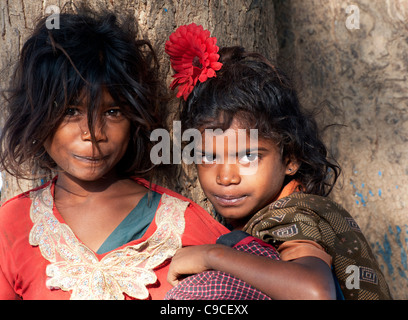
{"x":292,"y":166}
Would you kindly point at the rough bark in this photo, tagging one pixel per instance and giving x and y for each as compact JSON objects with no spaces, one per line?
{"x":357,"y":78}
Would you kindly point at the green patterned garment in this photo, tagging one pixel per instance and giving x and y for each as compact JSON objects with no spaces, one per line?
{"x":309,"y":217}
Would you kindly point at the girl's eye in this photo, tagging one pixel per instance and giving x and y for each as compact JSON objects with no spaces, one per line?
{"x":71,"y":112}
{"x":115,"y":112}
{"x":248,"y":158}
{"x":208,"y":158}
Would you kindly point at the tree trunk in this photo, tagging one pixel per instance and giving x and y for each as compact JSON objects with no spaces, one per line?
{"x":350,"y":60}
{"x":233,"y":22}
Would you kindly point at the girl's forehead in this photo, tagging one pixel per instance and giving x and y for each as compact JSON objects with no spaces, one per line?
{"x":85,"y":98}
{"x":239,"y":131}
{"x":238,"y":136}
{"x":236,"y":122}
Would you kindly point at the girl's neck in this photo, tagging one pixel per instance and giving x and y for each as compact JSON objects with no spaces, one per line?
{"x":69,"y":187}
{"x":236,"y":224}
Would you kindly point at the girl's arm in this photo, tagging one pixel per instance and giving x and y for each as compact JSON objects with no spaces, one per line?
{"x":303,"y":278}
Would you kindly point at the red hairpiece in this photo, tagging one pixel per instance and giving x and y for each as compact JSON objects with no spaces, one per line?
{"x":193,"y":56}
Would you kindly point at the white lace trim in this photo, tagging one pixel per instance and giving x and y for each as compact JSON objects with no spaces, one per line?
{"x":129,"y":270}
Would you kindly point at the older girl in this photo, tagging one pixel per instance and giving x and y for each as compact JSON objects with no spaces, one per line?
{"x":83,"y":101}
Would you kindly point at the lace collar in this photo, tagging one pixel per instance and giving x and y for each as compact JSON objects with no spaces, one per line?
{"x":126,"y":270}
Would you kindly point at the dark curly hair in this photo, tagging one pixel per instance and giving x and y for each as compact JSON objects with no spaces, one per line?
{"x":249,"y":88}
{"x":90,"y":52}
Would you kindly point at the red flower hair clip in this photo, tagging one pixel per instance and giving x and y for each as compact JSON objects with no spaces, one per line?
{"x":193,"y":56}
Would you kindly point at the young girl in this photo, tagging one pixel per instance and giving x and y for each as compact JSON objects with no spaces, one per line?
{"x":283,"y":200}
{"x":82,"y":103}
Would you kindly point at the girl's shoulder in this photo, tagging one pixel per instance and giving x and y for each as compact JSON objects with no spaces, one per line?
{"x":15,"y":213}
{"x":23,"y":197}
{"x":319,"y":204}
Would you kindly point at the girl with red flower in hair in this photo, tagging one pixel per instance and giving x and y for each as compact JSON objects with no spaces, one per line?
{"x":283,"y":200}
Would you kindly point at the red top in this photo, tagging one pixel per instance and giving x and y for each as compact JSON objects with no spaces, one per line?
{"x":23,"y":265}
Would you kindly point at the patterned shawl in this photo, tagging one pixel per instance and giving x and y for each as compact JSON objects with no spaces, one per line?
{"x":302,"y":216}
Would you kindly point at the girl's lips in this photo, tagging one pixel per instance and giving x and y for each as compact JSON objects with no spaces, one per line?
{"x":227,"y":201}
{"x":90,"y":159}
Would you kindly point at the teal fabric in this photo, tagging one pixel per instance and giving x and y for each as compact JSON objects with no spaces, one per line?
{"x":134,"y":225}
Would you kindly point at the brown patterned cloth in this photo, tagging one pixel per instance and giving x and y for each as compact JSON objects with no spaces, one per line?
{"x":302,"y":216}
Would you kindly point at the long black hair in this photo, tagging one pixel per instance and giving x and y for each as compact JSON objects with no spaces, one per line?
{"x":88,"y":53}
{"x":260,"y":96}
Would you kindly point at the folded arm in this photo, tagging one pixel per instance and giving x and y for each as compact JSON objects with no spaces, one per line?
{"x":302,"y":278}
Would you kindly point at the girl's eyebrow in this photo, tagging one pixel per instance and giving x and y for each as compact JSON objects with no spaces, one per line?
{"x":248,"y":150}
{"x":261,"y":149}
{"x":113,"y":103}
{"x":108,"y":104}
{"x":75,"y":102}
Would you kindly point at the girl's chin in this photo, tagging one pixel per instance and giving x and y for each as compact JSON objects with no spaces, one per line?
{"x":234,"y":217}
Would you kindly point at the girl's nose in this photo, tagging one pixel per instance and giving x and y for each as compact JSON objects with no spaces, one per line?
{"x":228,"y":174}
{"x":98,"y":132}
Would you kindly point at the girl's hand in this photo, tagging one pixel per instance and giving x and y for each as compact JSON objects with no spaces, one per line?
{"x":302,"y":278}
{"x":190,"y":260}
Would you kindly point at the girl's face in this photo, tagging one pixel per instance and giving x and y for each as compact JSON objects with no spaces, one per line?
{"x":71,"y":146}
{"x":248,"y":178}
